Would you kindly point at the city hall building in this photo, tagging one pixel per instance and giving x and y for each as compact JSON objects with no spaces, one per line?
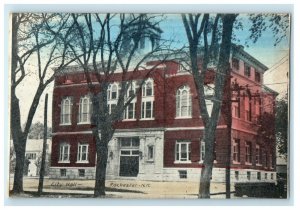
{"x":161,"y":134}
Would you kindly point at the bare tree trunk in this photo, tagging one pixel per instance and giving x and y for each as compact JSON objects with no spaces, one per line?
{"x":42,"y":170}
{"x":102,"y":155}
{"x":18,"y":175}
{"x":210,"y":128}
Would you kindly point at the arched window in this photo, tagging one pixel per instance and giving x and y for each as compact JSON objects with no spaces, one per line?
{"x":148,"y":100}
{"x":66,"y":111}
{"x":84,"y":109}
{"x":148,"y":88}
{"x":112,"y":91}
{"x":183,"y":102}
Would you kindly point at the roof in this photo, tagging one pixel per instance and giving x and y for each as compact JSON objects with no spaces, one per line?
{"x":238,"y":50}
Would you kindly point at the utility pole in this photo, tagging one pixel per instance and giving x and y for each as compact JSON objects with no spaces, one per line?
{"x":228,"y":133}
{"x":230,"y":87}
{"x":42,"y":169}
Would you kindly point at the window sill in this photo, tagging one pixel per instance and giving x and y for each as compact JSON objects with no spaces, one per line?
{"x":248,"y":164}
{"x":83,"y":123}
{"x":63,"y":161}
{"x":257,"y":164}
{"x":124,"y":120}
{"x":85,"y":161}
{"x":201,"y":161}
{"x":65,"y":124}
{"x":150,"y":161}
{"x":182,"y":162}
{"x":236,"y":162}
{"x":145,"y":119}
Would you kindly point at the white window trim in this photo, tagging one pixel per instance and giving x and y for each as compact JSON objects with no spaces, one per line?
{"x":202,"y":150}
{"x":144,"y":111}
{"x":179,"y":99}
{"x":62,"y":111}
{"x":79,"y":154}
{"x":144,"y":88}
{"x":248,"y":163}
{"x":239,"y":151}
{"x":126,"y":112}
{"x":153,"y":155}
{"x":62,"y":154}
{"x":88,"y":110}
{"x":188,"y":143}
{"x":259,"y":161}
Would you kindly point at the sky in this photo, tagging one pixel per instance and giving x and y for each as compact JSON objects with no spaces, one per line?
{"x":263,"y":50}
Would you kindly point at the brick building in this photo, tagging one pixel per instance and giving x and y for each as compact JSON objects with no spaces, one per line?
{"x":160,"y":136}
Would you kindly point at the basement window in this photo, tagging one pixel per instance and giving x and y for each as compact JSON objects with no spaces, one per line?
{"x":182,"y":174}
{"x":259,"y":175}
{"x":248,"y":175}
{"x":236,"y":175}
{"x":63,"y":172}
{"x":81,"y":172}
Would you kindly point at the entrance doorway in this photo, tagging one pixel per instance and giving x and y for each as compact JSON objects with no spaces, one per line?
{"x":129,"y":156}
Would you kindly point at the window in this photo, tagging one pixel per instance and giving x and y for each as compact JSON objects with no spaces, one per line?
{"x":235,"y":64}
{"x":209,"y":92}
{"x":182,"y":174}
{"x":248,"y":147}
{"x":112,"y":91}
{"x":129,"y":112}
{"x":257,"y":76}
{"x":266,"y":160}
{"x":258,"y":155}
{"x":247,"y":70}
{"x":248,"y":109}
{"x":236,"y":150}
{"x":81,"y":172}
{"x":248,"y":175}
{"x":272,"y":176}
{"x":82,"y":154}
{"x":183,"y":102}
{"x":147,"y":88}
{"x":64,"y":152}
{"x":66,"y":111}
{"x":147,"y":100}
{"x":236,"y":111}
{"x":202,"y":151}
{"x":236,"y":175}
{"x":31,"y":156}
{"x":112,"y":97}
{"x":257,"y":107}
{"x":84,"y":109}
{"x":271,"y":161}
{"x":130,"y":142}
{"x":183,"y":151}
{"x":266,"y":175}
{"x":258,"y":175}
{"x":150,"y":153}
{"x":63,"y":172}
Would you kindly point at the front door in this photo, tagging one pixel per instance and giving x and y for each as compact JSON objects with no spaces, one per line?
{"x":129,"y":157}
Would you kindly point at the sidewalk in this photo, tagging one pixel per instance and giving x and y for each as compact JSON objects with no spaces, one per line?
{"x":124,"y":188}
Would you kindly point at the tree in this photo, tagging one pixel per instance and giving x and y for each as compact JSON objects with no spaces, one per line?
{"x":111,"y":43}
{"x":36,"y":131}
{"x":281,"y":126}
{"x":196,"y":29}
{"x":220,"y":26}
{"x":33,"y":43}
